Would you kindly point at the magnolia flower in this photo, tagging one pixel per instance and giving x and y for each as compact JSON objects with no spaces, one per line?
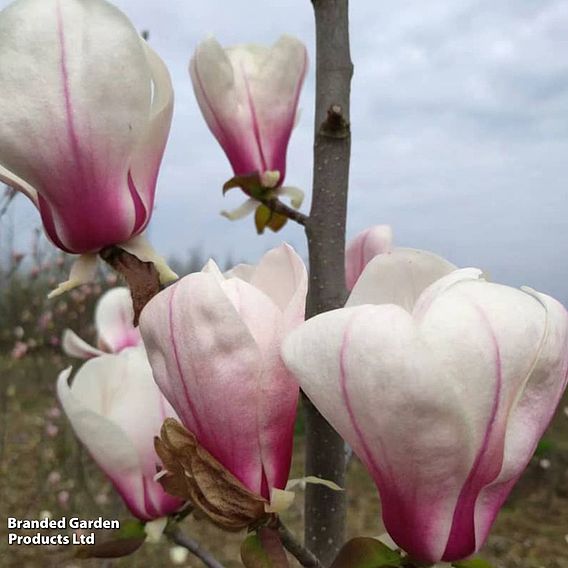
{"x":114,"y":315}
{"x":214,"y":345}
{"x":363,"y":248}
{"x":86,"y":108}
{"x":249,"y":95}
{"x":443,"y":396}
{"x":116,"y":410}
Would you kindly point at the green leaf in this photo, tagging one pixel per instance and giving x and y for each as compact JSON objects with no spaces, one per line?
{"x":133,"y":528}
{"x":544,"y":448}
{"x":262,"y":218}
{"x":264,"y":550}
{"x":472,"y":563}
{"x":251,"y":185}
{"x":277,"y":221}
{"x":363,"y":552}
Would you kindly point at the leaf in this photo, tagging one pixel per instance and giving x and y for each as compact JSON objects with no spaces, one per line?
{"x":472,"y":563}
{"x":250,"y":184}
{"x":110,"y":548}
{"x":364,"y":552}
{"x":277,"y":221}
{"x":264,"y":550}
{"x":132,"y":528}
{"x":262,"y":218}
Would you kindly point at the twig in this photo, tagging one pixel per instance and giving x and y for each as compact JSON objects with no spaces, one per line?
{"x":177,"y":536}
{"x":277,"y":206}
{"x":325,"y":230}
{"x":305,"y":557}
{"x":9,"y":194}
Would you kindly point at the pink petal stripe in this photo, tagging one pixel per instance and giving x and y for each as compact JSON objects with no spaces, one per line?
{"x":181,"y":376}
{"x":255,"y":126}
{"x":486,"y":467}
{"x":141,"y":216}
{"x":71,"y":130}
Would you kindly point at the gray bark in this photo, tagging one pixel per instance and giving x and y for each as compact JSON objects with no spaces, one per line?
{"x":325,"y":230}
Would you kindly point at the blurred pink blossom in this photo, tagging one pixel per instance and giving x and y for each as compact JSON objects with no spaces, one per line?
{"x":51,"y":430}
{"x":63,"y":498}
{"x":19,"y":351}
{"x":54,"y":478}
{"x":45,"y":320}
{"x":54,"y":412}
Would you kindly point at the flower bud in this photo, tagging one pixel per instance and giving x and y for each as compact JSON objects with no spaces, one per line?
{"x":442,"y":389}
{"x":214,"y":345}
{"x":114,"y":315}
{"x":116,"y":411}
{"x":249,"y":95}
{"x":86,"y":108}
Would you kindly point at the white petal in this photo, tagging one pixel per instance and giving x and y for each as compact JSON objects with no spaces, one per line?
{"x":398,"y":277}
{"x":282,"y":276}
{"x":114,"y":316}
{"x":212,"y":268}
{"x":295,"y":194}
{"x":11,"y":179}
{"x":243,"y":271}
{"x":155,"y":529}
{"x":82,"y":272}
{"x":74,"y":346}
{"x":67,"y":114}
{"x":532,"y":403}
{"x":149,"y":150}
{"x":143,"y":250}
{"x":106,"y":441}
{"x":242,"y":211}
{"x":360,"y":250}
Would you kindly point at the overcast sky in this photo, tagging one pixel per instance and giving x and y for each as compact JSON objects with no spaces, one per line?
{"x":459,"y":119}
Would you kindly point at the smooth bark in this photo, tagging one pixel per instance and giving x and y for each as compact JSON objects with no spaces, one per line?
{"x":325,"y":230}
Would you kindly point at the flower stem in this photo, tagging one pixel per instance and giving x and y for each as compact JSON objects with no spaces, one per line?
{"x":295,"y":548}
{"x":277,"y":206}
{"x":177,"y":536}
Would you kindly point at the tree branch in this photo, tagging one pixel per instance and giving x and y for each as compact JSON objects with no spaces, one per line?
{"x":177,"y":536}
{"x":295,"y":548}
{"x":325,"y":231}
{"x":278,"y":207}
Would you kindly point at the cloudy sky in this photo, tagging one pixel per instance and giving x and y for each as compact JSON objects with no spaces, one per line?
{"x":460,"y":130}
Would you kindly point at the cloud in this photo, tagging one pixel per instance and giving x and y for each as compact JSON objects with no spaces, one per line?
{"x":460,"y":137}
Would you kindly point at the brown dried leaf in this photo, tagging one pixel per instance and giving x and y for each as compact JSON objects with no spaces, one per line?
{"x":110,"y":549}
{"x":142,"y":277}
{"x":192,"y":473}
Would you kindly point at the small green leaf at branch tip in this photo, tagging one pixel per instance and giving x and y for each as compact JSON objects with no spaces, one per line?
{"x":366,"y":552}
{"x":265,"y":217}
{"x":251,"y":185}
{"x":264,"y":549}
{"x":473,"y":563}
{"x":133,"y":528}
